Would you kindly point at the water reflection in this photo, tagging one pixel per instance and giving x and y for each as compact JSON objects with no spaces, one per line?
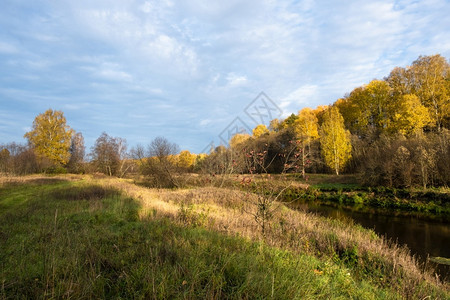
{"x":423,"y":237}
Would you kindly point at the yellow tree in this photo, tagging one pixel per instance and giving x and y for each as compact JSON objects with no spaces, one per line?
{"x":410,"y":115}
{"x":260,"y":130}
{"x":274,"y":125}
{"x":430,"y":81}
{"x":186,"y":159}
{"x":335,"y":140}
{"x":51,"y":137}
{"x":238,"y":139}
{"x":306,"y":130}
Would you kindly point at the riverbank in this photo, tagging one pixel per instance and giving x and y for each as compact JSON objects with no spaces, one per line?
{"x":429,"y":204}
{"x":107,"y":236}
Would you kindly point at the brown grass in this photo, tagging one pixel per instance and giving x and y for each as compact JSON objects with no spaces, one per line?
{"x":227,"y":210}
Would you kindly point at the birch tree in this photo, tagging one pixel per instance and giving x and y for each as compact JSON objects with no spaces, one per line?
{"x":335,"y":140}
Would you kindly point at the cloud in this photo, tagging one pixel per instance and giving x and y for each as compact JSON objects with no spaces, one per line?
{"x":304,"y":95}
{"x":171,"y":67}
{"x":235,"y":80}
{"x":205,"y":122}
{"x":8,"y":48}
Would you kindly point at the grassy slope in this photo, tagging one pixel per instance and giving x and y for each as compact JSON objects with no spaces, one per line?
{"x":79,"y":239}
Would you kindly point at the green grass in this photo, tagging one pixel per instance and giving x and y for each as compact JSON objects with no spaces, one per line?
{"x":74,"y":240}
{"x":336,"y":186}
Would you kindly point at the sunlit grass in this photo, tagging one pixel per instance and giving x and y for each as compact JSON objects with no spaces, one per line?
{"x":108,"y":238}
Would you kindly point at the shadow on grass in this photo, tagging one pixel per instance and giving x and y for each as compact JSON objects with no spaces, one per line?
{"x":33,"y":182}
{"x":87,"y":241}
{"x":91,"y":192}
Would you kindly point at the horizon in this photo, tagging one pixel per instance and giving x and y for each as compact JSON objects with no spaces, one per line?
{"x":189,"y":70}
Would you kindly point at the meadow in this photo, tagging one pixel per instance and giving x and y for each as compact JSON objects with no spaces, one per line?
{"x":92,"y":236}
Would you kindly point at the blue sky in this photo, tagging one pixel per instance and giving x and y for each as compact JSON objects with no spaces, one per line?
{"x":186,"y":69}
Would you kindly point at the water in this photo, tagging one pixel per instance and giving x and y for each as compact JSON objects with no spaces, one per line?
{"x":425,"y":238}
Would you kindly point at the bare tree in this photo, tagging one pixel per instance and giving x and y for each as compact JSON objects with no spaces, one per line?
{"x":109,"y":155}
{"x":269,"y":188}
{"x":159,"y":164}
{"x":77,"y":153}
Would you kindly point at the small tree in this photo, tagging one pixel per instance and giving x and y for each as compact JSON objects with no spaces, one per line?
{"x":306,"y":130}
{"x":109,"y":155}
{"x":267,"y":188}
{"x":186,"y":160}
{"x":335,"y":140}
{"x":51,"y":137}
{"x":159,"y":163}
{"x":77,"y":153}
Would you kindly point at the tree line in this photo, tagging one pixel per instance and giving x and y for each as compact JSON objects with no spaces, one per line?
{"x":393,"y":132}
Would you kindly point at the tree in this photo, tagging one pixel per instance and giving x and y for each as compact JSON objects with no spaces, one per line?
{"x":289,"y":121}
{"x":186,"y":160}
{"x":260,"y":130}
{"x":5,"y":156}
{"x":306,"y":130}
{"x":335,"y":140}
{"x":410,"y":115}
{"x":274,"y":125}
{"x":430,"y":80}
{"x":238,"y":139}
{"x":77,"y":153}
{"x":51,"y":137}
{"x":159,"y":163}
{"x":109,"y":155}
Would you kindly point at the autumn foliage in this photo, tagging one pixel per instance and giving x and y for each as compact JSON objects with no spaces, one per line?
{"x":391,"y":131}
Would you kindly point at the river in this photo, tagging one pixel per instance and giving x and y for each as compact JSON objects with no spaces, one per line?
{"x":425,"y":238}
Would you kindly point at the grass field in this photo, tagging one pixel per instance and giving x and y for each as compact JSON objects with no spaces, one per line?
{"x":82,"y":237}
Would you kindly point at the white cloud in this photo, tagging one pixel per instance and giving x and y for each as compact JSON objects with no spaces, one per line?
{"x":189,"y":62}
{"x":304,"y":95}
{"x":236,"y":80}
{"x":8,"y":48}
{"x":205,"y":122}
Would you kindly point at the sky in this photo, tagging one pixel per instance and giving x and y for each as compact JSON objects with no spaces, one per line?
{"x":196,"y":71}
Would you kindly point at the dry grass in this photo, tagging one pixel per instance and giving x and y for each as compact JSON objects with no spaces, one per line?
{"x":227,"y":210}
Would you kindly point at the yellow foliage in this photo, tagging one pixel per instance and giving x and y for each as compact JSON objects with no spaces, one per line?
{"x":411,"y":116}
{"x":186,"y":159}
{"x":306,"y":125}
{"x":238,"y":138}
{"x":260,"y":130}
{"x":51,"y":137}
{"x":335,"y":140}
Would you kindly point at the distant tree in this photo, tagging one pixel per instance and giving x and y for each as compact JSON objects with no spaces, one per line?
{"x":410,"y":115}
{"x":5,"y":157}
{"x":289,"y":121}
{"x":335,"y":140}
{"x":186,"y":160}
{"x":430,"y":81}
{"x":159,"y":165}
{"x":51,"y":137}
{"x":260,"y":130}
{"x":77,"y":153}
{"x":109,"y":155}
{"x":238,"y":139}
{"x":306,"y":130}
{"x":274,"y":125}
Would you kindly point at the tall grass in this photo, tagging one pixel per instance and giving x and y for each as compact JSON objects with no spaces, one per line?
{"x":107,"y":238}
